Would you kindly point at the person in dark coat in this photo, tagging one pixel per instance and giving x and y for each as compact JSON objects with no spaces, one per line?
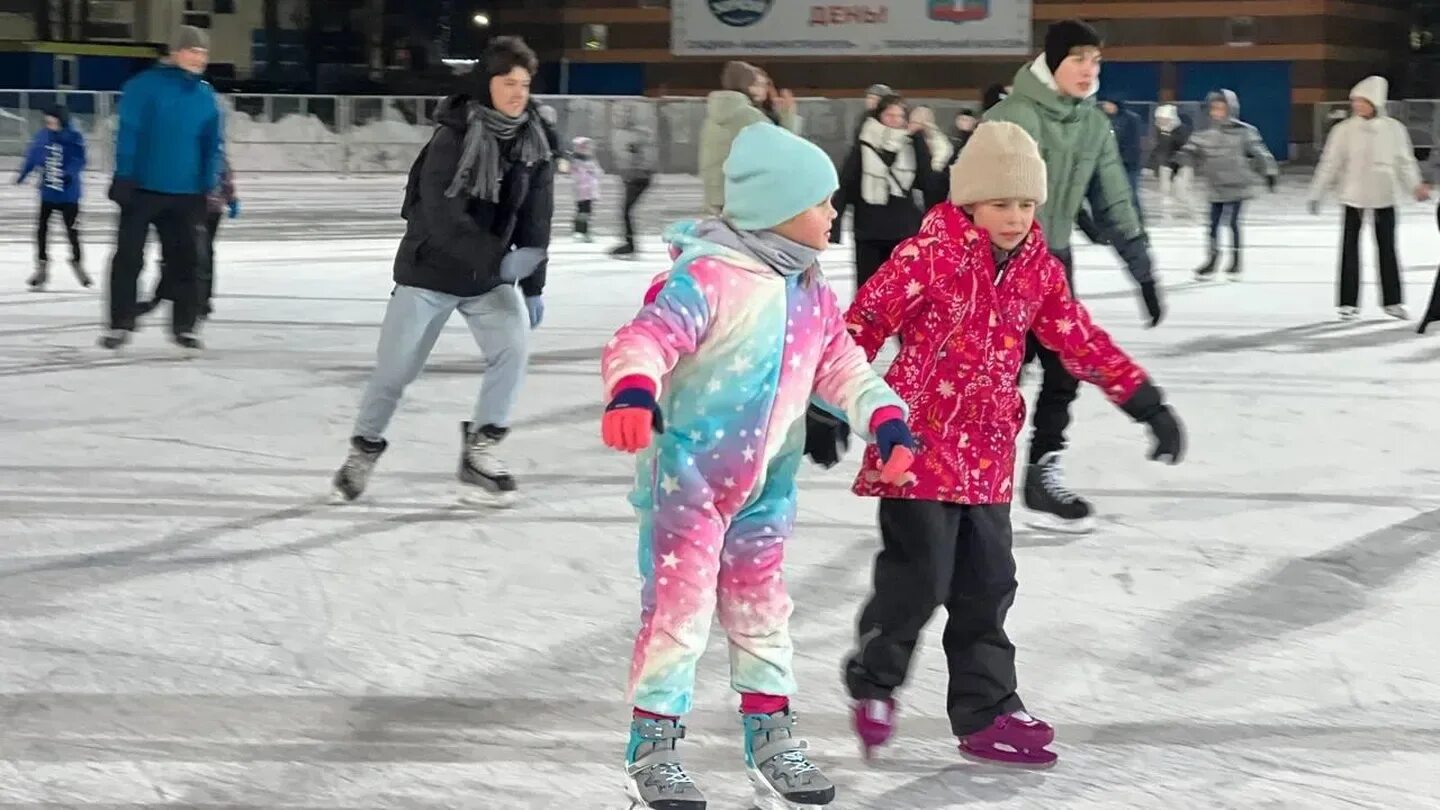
{"x":58,"y":152}
{"x":1129,"y":136}
{"x":477,"y":210}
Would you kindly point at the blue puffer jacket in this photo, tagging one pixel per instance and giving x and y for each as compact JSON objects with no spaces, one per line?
{"x":170,"y":132}
{"x":60,"y":157}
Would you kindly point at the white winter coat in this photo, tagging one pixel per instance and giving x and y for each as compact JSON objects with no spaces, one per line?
{"x":1370,"y":162}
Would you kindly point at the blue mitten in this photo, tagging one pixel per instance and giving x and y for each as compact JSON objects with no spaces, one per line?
{"x":535,"y":305}
{"x":234,"y":208}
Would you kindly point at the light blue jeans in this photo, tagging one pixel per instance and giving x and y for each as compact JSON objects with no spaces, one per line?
{"x":413,"y":321}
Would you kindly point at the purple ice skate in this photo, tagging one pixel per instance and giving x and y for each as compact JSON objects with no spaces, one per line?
{"x":874,"y":723}
{"x":1013,"y":739}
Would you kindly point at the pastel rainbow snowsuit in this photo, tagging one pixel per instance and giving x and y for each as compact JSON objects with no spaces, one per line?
{"x":736,"y":349}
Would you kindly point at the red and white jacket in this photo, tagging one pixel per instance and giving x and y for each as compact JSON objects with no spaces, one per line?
{"x":963,"y":332}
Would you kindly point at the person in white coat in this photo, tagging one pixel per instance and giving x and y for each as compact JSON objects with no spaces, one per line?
{"x":1370,"y":163}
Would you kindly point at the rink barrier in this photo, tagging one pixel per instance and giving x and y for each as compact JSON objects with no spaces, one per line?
{"x":382,"y":134}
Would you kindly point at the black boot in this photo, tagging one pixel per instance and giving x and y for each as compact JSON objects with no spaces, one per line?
{"x":1056,"y":508}
{"x":80,"y":274}
{"x":1206,"y":271}
{"x":1233,"y":271}
{"x":37,"y":280}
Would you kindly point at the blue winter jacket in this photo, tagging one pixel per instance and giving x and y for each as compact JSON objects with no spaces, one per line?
{"x":60,"y":157}
{"x":171,"y":132}
{"x":1129,"y":131}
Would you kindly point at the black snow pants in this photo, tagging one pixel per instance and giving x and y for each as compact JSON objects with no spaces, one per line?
{"x":180,"y":221}
{"x":942,"y":554}
{"x":70,"y":213}
{"x":1058,"y":389}
{"x":1391,"y":291}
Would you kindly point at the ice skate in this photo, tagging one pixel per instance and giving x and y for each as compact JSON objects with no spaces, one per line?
{"x":113,"y":339}
{"x":1348,"y":313}
{"x":37,"y":280}
{"x":487,"y":479}
{"x":350,"y":480}
{"x":1053,"y":506}
{"x":625,"y":251}
{"x":874,"y":722}
{"x":1206,"y":271}
{"x":784,"y":778}
{"x":80,"y":274}
{"x":654,"y":776}
{"x":189,"y":343}
{"x":1397,"y":311}
{"x":1233,"y":272}
{"x":1016,"y":740}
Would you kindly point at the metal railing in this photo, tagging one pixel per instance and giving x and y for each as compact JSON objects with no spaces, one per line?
{"x":378,"y":134}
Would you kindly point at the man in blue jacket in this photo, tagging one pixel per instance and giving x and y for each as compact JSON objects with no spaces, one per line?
{"x":58,"y":151}
{"x":167,"y":158}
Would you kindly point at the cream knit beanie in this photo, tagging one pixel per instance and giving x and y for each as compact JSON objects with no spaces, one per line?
{"x":999,"y":162}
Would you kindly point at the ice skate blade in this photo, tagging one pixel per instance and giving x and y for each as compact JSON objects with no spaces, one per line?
{"x":1018,"y":766}
{"x":1050,"y":523}
{"x":339,"y":498}
{"x":767,"y":798}
{"x":632,"y":792}
{"x":472,"y":495}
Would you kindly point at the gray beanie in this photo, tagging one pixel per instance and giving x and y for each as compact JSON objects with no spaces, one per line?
{"x":999,"y":162}
{"x":187,"y":37}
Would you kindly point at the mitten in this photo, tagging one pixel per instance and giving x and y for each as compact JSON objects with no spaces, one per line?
{"x":535,"y":305}
{"x":1150,"y":295}
{"x":234,"y":208}
{"x":1147,"y":405}
{"x":520,"y":263}
{"x":897,"y":451}
{"x":629,"y":419}
{"x":826,"y":437}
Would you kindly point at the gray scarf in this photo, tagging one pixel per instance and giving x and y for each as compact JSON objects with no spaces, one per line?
{"x":478,"y":172}
{"x":786,"y":257}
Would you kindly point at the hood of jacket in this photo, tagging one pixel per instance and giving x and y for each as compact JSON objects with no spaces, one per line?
{"x":1375,"y":90}
{"x":1035,"y":82}
{"x":454,"y":112}
{"x":1232,"y":101}
{"x":692,"y":239}
{"x":724,"y":105}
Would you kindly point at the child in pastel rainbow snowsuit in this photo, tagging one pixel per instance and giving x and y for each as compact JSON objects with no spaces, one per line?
{"x":720,"y":365}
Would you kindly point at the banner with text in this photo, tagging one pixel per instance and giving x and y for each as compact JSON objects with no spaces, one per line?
{"x":885,"y":28}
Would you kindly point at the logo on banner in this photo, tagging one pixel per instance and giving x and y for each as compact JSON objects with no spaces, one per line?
{"x":739,"y":13}
{"x":959,"y":11}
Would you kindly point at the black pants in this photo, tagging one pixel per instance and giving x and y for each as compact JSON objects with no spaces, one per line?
{"x":938,"y":554}
{"x":1058,"y":389}
{"x":179,"y":221}
{"x":1230,"y":211}
{"x":69,"y":212}
{"x":1432,"y":312}
{"x":869,"y":255}
{"x":583,"y":209}
{"x":204,"y":270}
{"x":1390,"y":290}
{"x":634,"y":189}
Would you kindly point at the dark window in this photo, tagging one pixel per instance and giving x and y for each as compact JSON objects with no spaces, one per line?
{"x":224,"y":6}
{"x":1240,"y":31}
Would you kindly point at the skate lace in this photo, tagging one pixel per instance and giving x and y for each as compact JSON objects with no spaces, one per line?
{"x":797,"y":763}
{"x":670,"y":775}
{"x":1051,"y":477}
{"x":482,"y":459}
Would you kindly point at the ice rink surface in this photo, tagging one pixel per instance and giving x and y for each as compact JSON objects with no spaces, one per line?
{"x":186,"y":622}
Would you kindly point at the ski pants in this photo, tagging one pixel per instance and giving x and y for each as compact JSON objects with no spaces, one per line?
{"x":414,"y":319}
{"x":936,"y":555}
{"x":1058,"y":388}
{"x":634,"y":189}
{"x":696,"y":561}
{"x":204,"y":269}
{"x":69,"y":212}
{"x":179,"y":219}
{"x":1391,"y":291}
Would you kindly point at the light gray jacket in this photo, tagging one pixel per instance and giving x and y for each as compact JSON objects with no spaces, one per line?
{"x":1229,"y":155}
{"x":633,"y":148}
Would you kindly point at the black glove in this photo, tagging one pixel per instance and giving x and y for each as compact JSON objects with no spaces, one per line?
{"x":1150,"y":294}
{"x":1147,"y":405}
{"x":826,"y":438}
{"x":1270,"y":181}
{"x":122,"y":191}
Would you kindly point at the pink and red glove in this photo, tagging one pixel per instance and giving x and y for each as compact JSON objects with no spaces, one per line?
{"x":631,"y":416}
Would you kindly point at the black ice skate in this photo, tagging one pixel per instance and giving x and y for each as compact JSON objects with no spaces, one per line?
{"x":625,"y":251}
{"x":486,"y":477}
{"x":80,"y":274}
{"x":37,"y":280}
{"x":354,"y":474}
{"x":1234,"y":270}
{"x":1052,"y":505}
{"x":189,"y":343}
{"x":1206,"y":271}
{"x":113,"y":339}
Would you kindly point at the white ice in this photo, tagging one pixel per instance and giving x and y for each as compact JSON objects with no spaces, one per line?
{"x":186,"y":623}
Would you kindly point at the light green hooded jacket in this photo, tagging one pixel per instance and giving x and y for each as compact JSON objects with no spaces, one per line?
{"x":726,"y":113}
{"x":1078,"y":147}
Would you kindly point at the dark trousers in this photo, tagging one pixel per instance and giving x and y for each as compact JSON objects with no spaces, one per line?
{"x":179,"y":221}
{"x":1058,"y":389}
{"x":633,"y":191}
{"x":869,"y":255}
{"x":1225,"y":211}
{"x":583,"y":209}
{"x":942,"y":554}
{"x":69,"y":212}
{"x":204,"y":270}
{"x":1134,"y":177}
{"x":1432,"y":312}
{"x":1390,"y":290}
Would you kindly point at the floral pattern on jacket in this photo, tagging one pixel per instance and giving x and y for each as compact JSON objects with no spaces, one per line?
{"x":963,"y":330}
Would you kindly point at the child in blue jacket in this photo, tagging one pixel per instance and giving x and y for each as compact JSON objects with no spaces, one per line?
{"x":58,"y":151}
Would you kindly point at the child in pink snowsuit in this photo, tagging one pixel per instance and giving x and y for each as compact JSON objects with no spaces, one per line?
{"x":721,"y":363}
{"x":586,"y":172}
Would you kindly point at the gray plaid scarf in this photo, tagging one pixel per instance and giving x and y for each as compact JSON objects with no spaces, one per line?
{"x":479,"y":172}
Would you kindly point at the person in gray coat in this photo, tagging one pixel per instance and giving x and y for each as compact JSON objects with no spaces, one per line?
{"x":1230,"y":157}
{"x":635,"y":160}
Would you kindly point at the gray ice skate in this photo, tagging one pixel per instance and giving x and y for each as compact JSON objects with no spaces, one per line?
{"x":655,"y":777}
{"x":354,"y":474}
{"x":37,"y":280}
{"x":784,"y":778}
{"x":487,"y":479}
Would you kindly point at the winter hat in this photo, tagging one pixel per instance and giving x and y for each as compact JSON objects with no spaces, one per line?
{"x":1000,"y":162}
{"x":772,"y":175}
{"x":1064,"y":37}
{"x":1374,"y":89}
{"x":879,"y":90}
{"x":739,"y":76}
{"x":581,"y":145}
{"x":187,"y":37}
{"x":59,"y":113}
{"x":994,"y":94}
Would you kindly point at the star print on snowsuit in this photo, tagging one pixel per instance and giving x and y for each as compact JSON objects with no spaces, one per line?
{"x":963,"y":336}
{"x":735,"y":349}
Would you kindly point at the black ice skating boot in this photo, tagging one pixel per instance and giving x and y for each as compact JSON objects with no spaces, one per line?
{"x":37,"y":280}
{"x":1056,"y":508}
{"x":623,"y":251}
{"x":481,"y":469}
{"x":1234,"y":270}
{"x":354,"y":474}
{"x":1206,"y":271}
{"x":113,"y":338}
{"x":80,"y":274}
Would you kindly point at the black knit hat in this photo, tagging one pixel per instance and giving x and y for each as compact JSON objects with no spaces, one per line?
{"x":59,"y":113}
{"x":1064,"y":37}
